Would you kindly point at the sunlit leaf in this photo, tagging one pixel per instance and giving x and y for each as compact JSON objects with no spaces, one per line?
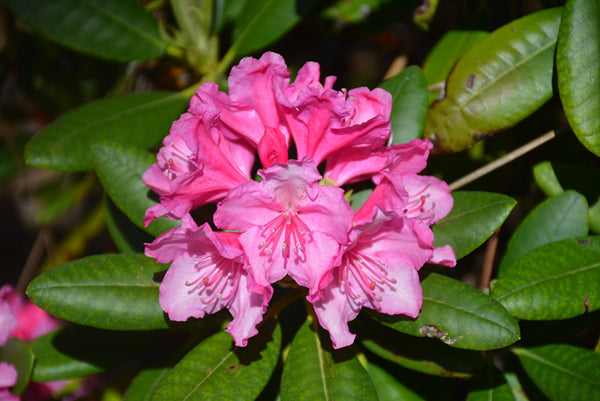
{"x":409,"y":104}
{"x":473,"y":219}
{"x":447,"y":51}
{"x":311,"y":373}
{"x":120,"y":169}
{"x":554,"y":281}
{"x":114,"y":29}
{"x":498,"y":82}
{"x":112,"y":291}
{"x":459,"y":315}
{"x":563,"y":372}
{"x":139,"y":119}
{"x":560,"y":217}
{"x":577,"y":50}
{"x":217,"y":370}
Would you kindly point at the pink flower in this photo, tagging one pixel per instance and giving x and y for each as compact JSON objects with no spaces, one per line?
{"x":360,"y":163}
{"x":292,"y":225}
{"x":378,"y":269}
{"x":326,"y":120}
{"x":8,"y":378}
{"x":207,"y":275}
{"x":22,"y":319}
{"x":196,"y":165}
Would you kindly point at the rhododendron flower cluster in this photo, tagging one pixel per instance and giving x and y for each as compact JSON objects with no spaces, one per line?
{"x":294,"y":220}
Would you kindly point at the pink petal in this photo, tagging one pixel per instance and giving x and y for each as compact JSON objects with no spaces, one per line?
{"x":429,"y":198}
{"x":292,"y":224}
{"x":334,"y":312}
{"x":443,"y":255}
{"x":272,"y":147}
{"x":8,"y":375}
{"x":8,"y":322}
{"x":388,"y":195}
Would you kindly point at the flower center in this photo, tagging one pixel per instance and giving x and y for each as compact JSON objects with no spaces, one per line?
{"x":216,"y":278}
{"x":362,"y":274}
{"x":179,"y":161}
{"x":417,"y":206}
{"x":287,"y":231}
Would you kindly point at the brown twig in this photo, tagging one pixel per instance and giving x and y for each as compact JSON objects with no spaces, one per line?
{"x":488,"y":261}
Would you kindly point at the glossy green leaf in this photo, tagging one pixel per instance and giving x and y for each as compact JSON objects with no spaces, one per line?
{"x":126,"y":236}
{"x":112,"y":291}
{"x":144,"y":385}
{"x":459,"y":315}
{"x":423,"y":355}
{"x":262,"y":22}
{"x":546,"y":179}
{"x":557,"y":218}
{"x":17,"y":352}
{"x":120,"y":169}
{"x":409,"y":104}
{"x":388,"y":388}
{"x":554,"y":281}
{"x":445,"y":53}
{"x":114,"y":29}
{"x":473,"y":219}
{"x":579,"y":84}
{"x":139,"y":119}
{"x":498,"y":82}
{"x":217,"y":370}
{"x":77,"y":351}
{"x":311,"y":373}
{"x":490,"y":386}
{"x":563,"y":372}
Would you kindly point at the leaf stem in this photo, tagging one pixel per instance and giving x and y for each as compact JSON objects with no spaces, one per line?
{"x":488,"y":168}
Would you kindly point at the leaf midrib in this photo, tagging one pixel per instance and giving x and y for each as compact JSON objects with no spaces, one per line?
{"x":554,"y":277}
{"x":469,"y":312}
{"x":551,"y":364}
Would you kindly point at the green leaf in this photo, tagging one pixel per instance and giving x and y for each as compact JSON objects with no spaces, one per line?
{"x":546,"y":179}
{"x":490,"y":386}
{"x":423,"y":355}
{"x":126,"y":236}
{"x":311,"y":373}
{"x":473,"y":219}
{"x":579,"y":85}
{"x":445,"y":53}
{"x":77,"y":351}
{"x":388,"y":388}
{"x":563,"y":372}
{"x":145,"y":384}
{"x":409,"y":105}
{"x":554,"y":281}
{"x":216,"y":370}
{"x":262,"y":22}
{"x":114,"y":29}
{"x":120,"y":169}
{"x":112,"y":291}
{"x":498,"y":82}
{"x":139,"y":119}
{"x":557,"y":218}
{"x":17,"y":352}
{"x":460,"y":316}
